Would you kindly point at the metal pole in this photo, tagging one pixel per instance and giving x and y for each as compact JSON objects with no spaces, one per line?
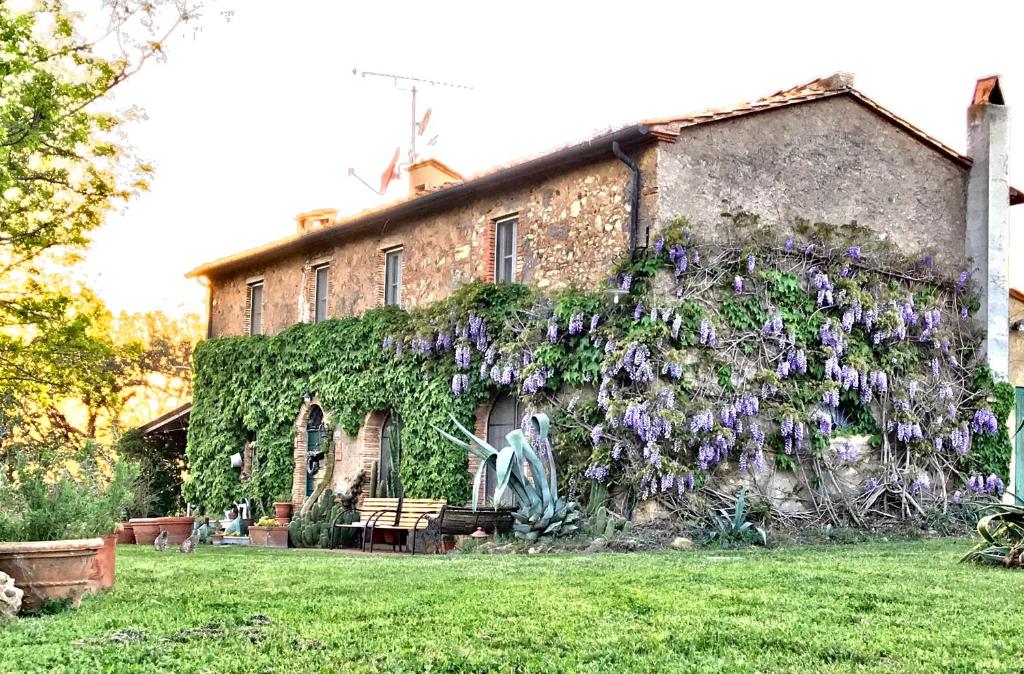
{"x":412,"y":142}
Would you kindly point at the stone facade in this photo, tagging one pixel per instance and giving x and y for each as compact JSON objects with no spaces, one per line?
{"x":830,"y":160}
{"x":571,"y":228}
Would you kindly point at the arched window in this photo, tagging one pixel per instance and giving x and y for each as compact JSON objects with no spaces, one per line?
{"x":503,"y":419}
{"x":389,"y":433}
{"x":315,"y":433}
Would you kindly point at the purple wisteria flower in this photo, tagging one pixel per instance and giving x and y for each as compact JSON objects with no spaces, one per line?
{"x":985,"y":422}
{"x":773,"y":327}
{"x":825,"y":289}
{"x":964,"y":315}
{"x":961,"y":283}
{"x":825,"y":423}
{"x":675,"y":370}
{"x":677,"y":322}
{"x":831,"y":398}
{"x":460,"y":384}
{"x":552,"y":333}
{"x":854,"y":252}
{"x":789,"y":246}
{"x":576,"y":324}
{"x":809,"y":250}
{"x":912,"y":389}
{"x":847,"y":453}
{"x":751,"y":261}
{"x":677,"y":256}
{"x":707,"y":333}
{"x":626,"y":281}
{"x":596,"y":434}
{"x":639,"y":312}
{"x":958,"y":497}
{"x":922,"y":482}
{"x":737,"y":284}
{"x":993,"y":484}
{"x":598,"y":472}
{"x":659,"y":245}
{"x":535,"y":381}
{"x":960,"y":439}
{"x":462,"y":356}
{"x":594,"y":320}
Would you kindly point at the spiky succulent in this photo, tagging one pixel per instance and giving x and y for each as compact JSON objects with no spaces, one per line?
{"x":541,"y":511}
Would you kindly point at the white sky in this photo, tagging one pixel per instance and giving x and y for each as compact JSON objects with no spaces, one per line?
{"x":258,"y":118}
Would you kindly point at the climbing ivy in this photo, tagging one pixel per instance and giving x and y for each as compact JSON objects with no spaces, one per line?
{"x":718,"y":352}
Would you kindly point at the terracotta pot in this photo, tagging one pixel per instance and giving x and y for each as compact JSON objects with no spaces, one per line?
{"x":104,"y":563}
{"x":50,"y":570}
{"x":283,"y":521}
{"x":218,"y":539}
{"x":269,"y":537}
{"x":148,"y":528}
{"x":283,"y":511}
{"x":127,"y":534}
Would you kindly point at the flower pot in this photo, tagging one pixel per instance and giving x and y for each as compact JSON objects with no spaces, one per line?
{"x":283,"y":511}
{"x":103,"y":564}
{"x":50,"y":570}
{"x":218,"y":539}
{"x":148,"y":528}
{"x":269,"y":537}
{"x":126,"y":536}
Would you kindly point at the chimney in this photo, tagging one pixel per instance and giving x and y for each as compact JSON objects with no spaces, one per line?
{"x":314,"y":220}
{"x":428,"y":175}
{"x":988,"y":218}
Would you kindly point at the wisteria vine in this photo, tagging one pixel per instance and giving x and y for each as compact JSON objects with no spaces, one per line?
{"x":752,"y":354}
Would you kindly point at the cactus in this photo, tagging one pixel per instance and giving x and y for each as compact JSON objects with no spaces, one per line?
{"x":610,"y":529}
{"x":600,"y":520}
{"x":373,"y":479}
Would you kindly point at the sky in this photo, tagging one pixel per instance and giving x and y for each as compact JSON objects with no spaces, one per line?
{"x":257,"y":116}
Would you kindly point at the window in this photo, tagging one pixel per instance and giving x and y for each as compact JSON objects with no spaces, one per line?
{"x":393,"y":277}
{"x":320,"y":295}
{"x":256,"y":309}
{"x":503,"y":419}
{"x":505,"y":250}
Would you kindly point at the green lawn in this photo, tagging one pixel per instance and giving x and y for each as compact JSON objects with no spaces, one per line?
{"x":886,"y":606}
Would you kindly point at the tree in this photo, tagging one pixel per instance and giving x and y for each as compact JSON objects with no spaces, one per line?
{"x":63,"y":166}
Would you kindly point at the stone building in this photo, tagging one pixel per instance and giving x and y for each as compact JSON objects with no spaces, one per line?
{"x":822,"y":151}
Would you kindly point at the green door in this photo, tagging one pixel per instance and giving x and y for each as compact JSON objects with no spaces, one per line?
{"x":1018,"y":453}
{"x":314,"y":438}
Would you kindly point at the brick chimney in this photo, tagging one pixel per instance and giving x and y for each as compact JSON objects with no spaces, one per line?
{"x":430,"y":174}
{"x":314,"y":220}
{"x":988,"y":218}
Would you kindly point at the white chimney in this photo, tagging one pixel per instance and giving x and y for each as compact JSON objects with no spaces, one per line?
{"x":988,"y":218}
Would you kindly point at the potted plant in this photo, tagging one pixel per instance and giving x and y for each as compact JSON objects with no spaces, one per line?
{"x":59,"y":526}
{"x":217,"y":538}
{"x":283,"y":508}
{"x":178,"y":528}
{"x":269,"y":534}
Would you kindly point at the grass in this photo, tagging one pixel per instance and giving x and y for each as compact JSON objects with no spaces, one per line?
{"x":905,"y":606}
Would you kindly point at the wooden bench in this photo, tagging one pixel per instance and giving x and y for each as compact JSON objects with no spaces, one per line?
{"x":393,"y":514}
{"x":463,"y":520}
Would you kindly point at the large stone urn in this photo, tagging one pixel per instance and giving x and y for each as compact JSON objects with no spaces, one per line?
{"x":104,"y":563}
{"x":50,"y":570}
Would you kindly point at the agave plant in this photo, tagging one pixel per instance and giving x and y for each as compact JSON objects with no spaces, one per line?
{"x":1002,"y":534}
{"x":736,"y":529}
{"x":541,"y":511}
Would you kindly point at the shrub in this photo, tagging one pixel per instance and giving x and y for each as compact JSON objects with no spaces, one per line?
{"x":44,"y":501}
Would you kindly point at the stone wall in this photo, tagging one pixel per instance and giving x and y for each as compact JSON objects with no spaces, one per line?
{"x":572,"y":227}
{"x":830,"y":160}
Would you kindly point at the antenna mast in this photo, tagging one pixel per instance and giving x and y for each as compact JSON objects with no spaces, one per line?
{"x":413,"y":122}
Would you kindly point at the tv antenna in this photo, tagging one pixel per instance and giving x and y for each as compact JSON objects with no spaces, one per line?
{"x":417,"y":126}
